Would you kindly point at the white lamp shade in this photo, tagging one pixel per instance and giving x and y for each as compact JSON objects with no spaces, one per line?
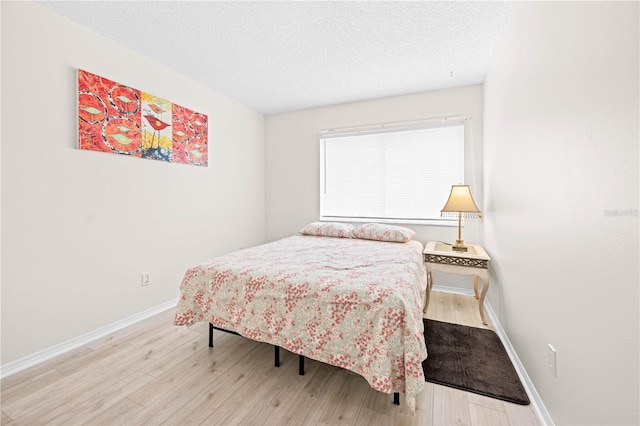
{"x":461,"y":201}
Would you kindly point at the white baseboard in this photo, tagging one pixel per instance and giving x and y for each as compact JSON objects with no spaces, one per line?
{"x":543,"y":416}
{"x":61,"y":348}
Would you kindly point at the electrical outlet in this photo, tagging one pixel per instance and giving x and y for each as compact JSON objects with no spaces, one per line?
{"x":146,"y":278}
{"x":552,"y":361}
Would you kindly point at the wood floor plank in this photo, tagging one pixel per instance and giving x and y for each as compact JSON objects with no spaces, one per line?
{"x":309,"y":402}
{"x":424,"y":406}
{"x":483,"y":416}
{"x":446,"y":307}
{"x":380,"y":403}
{"x":345,"y":401}
{"x":13,"y":394}
{"x":277,"y":397}
{"x":66,"y":400}
{"x":154,"y":373}
{"x":450,"y":406}
{"x":176,"y":356}
{"x":93,"y":378}
{"x":51,"y":364}
{"x":206,"y":382}
{"x":520,"y":414}
{"x":192,"y":369}
{"x":404,"y":416}
{"x":373,"y":418}
{"x":122,"y":341}
{"x":5,"y":419}
{"x":432,"y":311}
{"x":137,"y":329}
{"x":70,"y":366}
{"x":485,"y":401}
{"x":227,"y":394}
{"x":117,"y":414}
{"x":91,"y":407}
{"x":467,"y":311}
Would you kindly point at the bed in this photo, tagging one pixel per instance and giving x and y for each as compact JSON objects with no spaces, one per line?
{"x":348,"y":296}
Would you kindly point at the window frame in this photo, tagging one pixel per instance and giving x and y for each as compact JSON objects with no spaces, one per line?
{"x":330,"y":134}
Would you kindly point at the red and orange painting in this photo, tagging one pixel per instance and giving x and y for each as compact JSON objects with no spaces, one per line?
{"x":118,"y":119}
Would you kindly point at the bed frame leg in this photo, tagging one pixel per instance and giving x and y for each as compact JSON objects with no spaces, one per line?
{"x":301,"y":365}
{"x":277,"y":356}
{"x":210,"y":335}
{"x":396,"y":398}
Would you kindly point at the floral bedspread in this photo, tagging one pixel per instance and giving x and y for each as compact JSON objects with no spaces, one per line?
{"x":352,"y":303}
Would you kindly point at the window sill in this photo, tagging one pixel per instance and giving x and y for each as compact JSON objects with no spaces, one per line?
{"x":428,"y":222}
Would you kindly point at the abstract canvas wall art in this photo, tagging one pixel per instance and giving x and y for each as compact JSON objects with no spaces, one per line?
{"x":118,"y":119}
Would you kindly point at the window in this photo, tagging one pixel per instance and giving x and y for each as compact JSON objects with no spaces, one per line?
{"x":399,"y":175}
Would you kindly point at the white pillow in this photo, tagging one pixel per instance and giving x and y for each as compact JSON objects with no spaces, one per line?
{"x":382,"y":232}
{"x":328,"y":229}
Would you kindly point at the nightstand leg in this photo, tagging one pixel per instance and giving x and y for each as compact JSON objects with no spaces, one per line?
{"x":485,"y":287}
{"x":475,"y":286}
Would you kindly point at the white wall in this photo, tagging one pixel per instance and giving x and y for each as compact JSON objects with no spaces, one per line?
{"x":293,"y":154}
{"x":561,"y":153}
{"x":78,"y":227}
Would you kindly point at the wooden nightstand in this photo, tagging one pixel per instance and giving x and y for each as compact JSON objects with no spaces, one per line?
{"x":441,"y":257}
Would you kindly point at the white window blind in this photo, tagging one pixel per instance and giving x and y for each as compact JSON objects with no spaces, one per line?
{"x":400,"y":175}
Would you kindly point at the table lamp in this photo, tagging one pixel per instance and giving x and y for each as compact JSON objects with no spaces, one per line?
{"x":460,"y":202}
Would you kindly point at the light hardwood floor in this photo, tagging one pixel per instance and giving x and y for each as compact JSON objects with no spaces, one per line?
{"x":154,"y":373}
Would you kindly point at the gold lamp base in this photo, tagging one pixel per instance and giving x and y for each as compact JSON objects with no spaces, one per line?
{"x":459,"y":246}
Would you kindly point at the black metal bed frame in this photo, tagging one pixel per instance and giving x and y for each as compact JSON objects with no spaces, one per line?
{"x":396,"y":395}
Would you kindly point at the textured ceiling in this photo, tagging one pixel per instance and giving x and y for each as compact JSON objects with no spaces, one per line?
{"x":283,"y":56}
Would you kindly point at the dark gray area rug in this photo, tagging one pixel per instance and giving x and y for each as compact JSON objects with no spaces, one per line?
{"x":471,"y":359}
